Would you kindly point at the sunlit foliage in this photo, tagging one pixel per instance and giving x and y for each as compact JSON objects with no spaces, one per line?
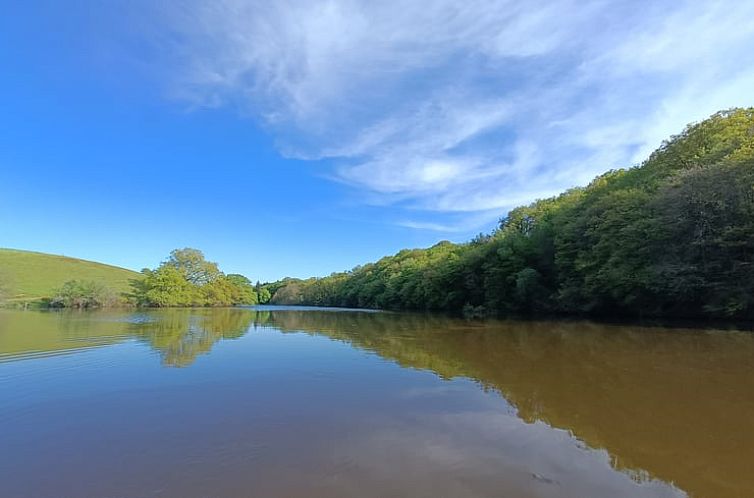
{"x":187,"y":279}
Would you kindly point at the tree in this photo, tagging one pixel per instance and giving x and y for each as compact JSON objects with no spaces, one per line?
{"x":291,"y":293}
{"x":187,"y":279}
{"x":264,"y":295}
{"x":243,"y":292}
{"x":167,"y":286}
{"x":193,"y":266}
{"x":220,"y":292}
{"x":83,"y":294}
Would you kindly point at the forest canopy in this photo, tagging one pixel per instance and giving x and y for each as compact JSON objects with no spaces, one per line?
{"x":673,"y":236}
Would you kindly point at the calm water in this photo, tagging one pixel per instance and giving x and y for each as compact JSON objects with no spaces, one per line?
{"x":287,"y":402}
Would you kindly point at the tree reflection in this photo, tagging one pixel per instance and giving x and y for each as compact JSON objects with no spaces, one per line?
{"x":180,"y":335}
{"x":670,"y":401}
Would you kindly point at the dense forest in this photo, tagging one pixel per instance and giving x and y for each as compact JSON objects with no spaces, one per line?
{"x":673,"y":236}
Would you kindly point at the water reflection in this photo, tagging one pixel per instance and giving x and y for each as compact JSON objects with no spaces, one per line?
{"x":660,"y":405}
{"x":25,"y":335}
{"x":677,"y":403}
{"x":179,"y":335}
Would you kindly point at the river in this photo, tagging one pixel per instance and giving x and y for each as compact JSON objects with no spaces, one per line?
{"x":285,"y":401}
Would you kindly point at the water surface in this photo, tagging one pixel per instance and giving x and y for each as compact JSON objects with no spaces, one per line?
{"x":292,"y":402}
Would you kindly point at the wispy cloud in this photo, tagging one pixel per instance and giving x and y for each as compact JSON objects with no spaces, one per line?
{"x":467,"y":107}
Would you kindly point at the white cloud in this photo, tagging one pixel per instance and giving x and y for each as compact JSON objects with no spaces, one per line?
{"x":469,"y":106}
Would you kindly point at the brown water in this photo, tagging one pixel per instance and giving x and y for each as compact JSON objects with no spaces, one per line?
{"x":288,"y":402}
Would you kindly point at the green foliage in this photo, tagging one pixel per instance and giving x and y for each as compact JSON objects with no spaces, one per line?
{"x":193,"y":266}
{"x":187,"y":279}
{"x":264,"y":295}
{"x":242,"y":291}
{"x":166,"y":286}
{"x":83,"y":294}
{"x":672,"y":237}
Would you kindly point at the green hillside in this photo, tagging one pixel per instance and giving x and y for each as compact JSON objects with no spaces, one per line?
{"x":29,"y":276}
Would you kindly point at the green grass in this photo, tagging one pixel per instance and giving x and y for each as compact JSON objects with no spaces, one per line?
{"x":31,"y":276}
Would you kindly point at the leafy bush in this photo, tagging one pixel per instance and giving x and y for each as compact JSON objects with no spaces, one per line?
{"x":84,"y":294}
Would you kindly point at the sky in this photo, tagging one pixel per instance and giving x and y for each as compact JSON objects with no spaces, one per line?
{"x":298,"y":138}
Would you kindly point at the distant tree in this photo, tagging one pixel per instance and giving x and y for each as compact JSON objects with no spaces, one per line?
{"x":220,"y":292}
{"x":83,"y":294}
{"x":264,"y":295}
{"x":191,"y":263}
{"x":187,"y":279}
{"x":167,"y":286}
{"x":289,"y":294}
{"x":243,"y":291}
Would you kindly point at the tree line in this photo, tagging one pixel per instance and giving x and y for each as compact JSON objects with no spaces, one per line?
{"x":672,"y":237}
{"x":186,"y":278}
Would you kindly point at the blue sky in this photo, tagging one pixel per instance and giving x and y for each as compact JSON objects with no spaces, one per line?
{"x":301,"y":138}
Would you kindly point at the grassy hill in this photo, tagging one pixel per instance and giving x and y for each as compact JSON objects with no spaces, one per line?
{"x":30,"y":276}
